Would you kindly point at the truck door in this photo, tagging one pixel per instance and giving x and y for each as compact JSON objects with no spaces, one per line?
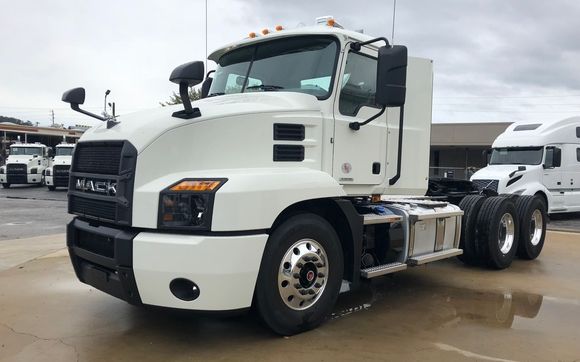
{"x":552,"y":178}
{"x":359,"y":156}
{"x":571,"y":176}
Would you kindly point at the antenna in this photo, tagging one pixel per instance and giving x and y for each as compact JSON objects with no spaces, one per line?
{"x":52,"y":116}
{"x":393,"y":31}
{"x":205,"y":36}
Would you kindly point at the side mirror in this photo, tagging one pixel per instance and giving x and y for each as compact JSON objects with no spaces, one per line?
{"x":553,"y":157}
{"x":50,"y":152}
{"x":557,"y":157}
{"x":391,"y":76}
{"x":486,"y":155}
{"x":187,"y":75}
{"x":74,"y":96}
{"x":206,"y":85}
{"x":191,"y":73}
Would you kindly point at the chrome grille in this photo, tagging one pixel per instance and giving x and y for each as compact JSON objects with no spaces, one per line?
{"x":486,"y":184}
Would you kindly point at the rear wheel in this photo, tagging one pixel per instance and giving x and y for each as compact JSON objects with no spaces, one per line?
{"x":51,"y":188}
{"x":532,"y":232}
{"x":300,"y":275}
{"x":6,"y":185}
{"x":470,"y":205}
{"x":497,"y":232}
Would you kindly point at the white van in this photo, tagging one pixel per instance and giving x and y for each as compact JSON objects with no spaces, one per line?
{"x":537,"y":158}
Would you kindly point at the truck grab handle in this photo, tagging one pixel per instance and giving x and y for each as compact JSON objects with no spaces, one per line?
{"x":395,"y":178}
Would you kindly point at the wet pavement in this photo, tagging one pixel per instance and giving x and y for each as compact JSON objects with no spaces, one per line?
{"x":440,"y":312}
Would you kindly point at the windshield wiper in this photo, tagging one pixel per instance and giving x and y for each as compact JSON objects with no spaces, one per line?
{"x":216,"y":94}
{"x":265,"y":87}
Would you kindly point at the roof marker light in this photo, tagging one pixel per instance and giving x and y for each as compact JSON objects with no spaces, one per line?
{"x":279,"y":27}
{"x":265,"y":31}
{"x":330,"y":22}
{"x":252,"y":35}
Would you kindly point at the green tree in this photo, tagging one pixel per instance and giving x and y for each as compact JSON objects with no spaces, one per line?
{"x":194,"y":94}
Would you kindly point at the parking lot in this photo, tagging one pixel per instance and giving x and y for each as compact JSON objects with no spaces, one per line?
{"x":443,"y":311}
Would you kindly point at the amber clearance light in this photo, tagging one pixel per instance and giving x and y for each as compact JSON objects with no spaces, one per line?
{"x":196,"y":185}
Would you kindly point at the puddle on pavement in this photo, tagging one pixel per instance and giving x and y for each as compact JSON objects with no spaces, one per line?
{"x":440,"y":307}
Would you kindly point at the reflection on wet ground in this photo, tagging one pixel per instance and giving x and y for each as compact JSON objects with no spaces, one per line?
{"x":444,"y":311}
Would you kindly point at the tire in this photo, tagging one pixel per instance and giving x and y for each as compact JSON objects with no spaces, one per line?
{"x":51,"y":188}
{"x":532,"y":215}
{"x":497,"y":232}
{"x":277,"y":294}
{"x":470,"y":205}
{"x":6,"y":185}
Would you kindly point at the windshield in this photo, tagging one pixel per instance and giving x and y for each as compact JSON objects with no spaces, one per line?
{"x":30,"y":151}
{"x":300,"y":64}
{"x":517,"y":156}
{"x":64,"y":151}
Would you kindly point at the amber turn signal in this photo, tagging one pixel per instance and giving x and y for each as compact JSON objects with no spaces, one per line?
{"x":196,"y":185}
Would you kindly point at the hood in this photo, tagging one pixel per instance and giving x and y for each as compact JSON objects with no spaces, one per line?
{"x":21,"y":159}
{"x":499,"y":172}
{"x":62,"y":160}
{"x":142,"y":128}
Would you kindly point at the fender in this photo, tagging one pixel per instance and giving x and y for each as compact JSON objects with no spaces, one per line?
{"x":251,"y":199}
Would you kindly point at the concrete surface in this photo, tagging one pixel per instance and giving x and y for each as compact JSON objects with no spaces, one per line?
{"x":27,"y":211}
{"x":439,"y":312}
{"x":15,"y":252}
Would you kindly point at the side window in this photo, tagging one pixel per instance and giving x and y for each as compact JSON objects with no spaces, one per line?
{"x":359,"y":84}
{"x":578,"y":154}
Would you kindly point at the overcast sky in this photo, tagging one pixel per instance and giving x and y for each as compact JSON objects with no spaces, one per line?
{"x":495,"y":60}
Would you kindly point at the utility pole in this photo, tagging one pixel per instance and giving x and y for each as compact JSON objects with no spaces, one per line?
{"x":52,"y":116}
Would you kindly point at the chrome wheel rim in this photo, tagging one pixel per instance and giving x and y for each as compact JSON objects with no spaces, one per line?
{"x":536,"y":227}
{"x":302,"y":274}
{"x":506,"y":233}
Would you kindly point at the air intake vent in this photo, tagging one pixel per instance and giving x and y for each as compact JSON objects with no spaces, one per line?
{"x":288,"y":153}
{"x":99,"y":158}
{"x":288,"y":132}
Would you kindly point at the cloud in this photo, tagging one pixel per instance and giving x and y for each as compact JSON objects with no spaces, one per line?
{"x":486,"y":52}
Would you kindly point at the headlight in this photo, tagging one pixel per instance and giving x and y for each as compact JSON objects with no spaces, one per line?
{"x":47,"y":173}
{"x":33,"y":170}
{"x":188,"y":204}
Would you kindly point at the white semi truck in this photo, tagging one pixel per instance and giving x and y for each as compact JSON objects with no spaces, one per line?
{"x":277,"y":189}
{"x":25,"y":164}
{"x":57,"y":174}
{"x":537,"y":158}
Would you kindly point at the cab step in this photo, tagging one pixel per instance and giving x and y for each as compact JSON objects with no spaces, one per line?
{"x":379,"y":270}
{"x":371,"y":219}
{"x":427,"y":258}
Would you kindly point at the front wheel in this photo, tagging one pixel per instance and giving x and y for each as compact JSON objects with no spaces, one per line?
{"x":300,"y":275}
{"x":6,"y":185}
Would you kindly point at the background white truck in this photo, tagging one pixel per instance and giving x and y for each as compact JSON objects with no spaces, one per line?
{"x":273,"y":191}
{"x":25,"y":164}
{"x":537,"y":158}
{"x":57,"y":174}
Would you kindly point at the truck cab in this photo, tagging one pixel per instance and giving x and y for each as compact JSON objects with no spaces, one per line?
{"x":57,"y":175}
{"x":25,"y":164}
{"x":301,"y":172}
{"x":537,"y":158}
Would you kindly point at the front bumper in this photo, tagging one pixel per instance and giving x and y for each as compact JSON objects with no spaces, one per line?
{"x":56,"y":181}
{"x":138,"y":267}
{"x":23,"y":178}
